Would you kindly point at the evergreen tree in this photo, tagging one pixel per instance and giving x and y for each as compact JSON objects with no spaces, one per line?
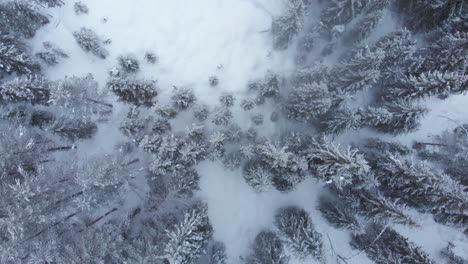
{"x":385,"y":246}
{"x":373,"y":13}
{"x":449,"y":151}
{"x":373,"y":206}
{"x":80,"y":8}
{"x":31,"y":89}
{"x":221,"y":116}
{"x":13,"y":57}
{"x":285,"y":27}
{"x":308,"y":101}
{"x":19,"y":18}
{"x":396,"y":117}
{"x":188,"y":239}
{"x":201,"y":112}
{"x":334,"y":164}
{"x":338,"y":214}
{"x":135,"y":92}
{"x":421,"y":187}
{"x":89,"y":41}
{"x":185,"y":183}
{"x":227,"y":99}
{"x":435,"y":83}
{"x":297,"y":231}
{"x":258,"y":176}
{"x":183,"y":98}
{"x":447,"y":53}
{"x":360,"y":70}
{"x":423,"y":15}
{"x":217,"y":253}
{"x":129,"y":64}
{"x":267,"y":249}
{"x":247,"y":104}
{"x":339,"y":12}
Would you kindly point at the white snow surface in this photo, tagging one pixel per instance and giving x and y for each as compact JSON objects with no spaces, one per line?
{"x":194,"y":40}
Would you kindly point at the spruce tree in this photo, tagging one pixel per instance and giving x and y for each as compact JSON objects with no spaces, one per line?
{"x":136,"y":92}
{"x":31,"y":89}
{"x":19,"y":18}
{"x":420,"y":186}
{"x":432,"y":83}
{"x":334,"y":164}
{"x":360,"y":70}
{"x":267,"y":249}
{"x":89,"y":41}
{"x":308,"y":101}
{"x":188,"y":239}
{"x":183,"y":98}
{"x":285,"y":27}
{"x":297,"y":231}
{"x":13,"y":57}
{"x":338,"y":214}
{"x":340,"y":12}
{"x":385,"y":246}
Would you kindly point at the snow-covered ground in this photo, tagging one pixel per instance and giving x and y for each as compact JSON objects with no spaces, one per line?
{"x":227,"y":38}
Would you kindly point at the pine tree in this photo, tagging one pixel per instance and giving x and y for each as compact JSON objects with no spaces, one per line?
{"x":449,"y":151}
{"x":80,"y":8}
{"x":201,"y":112}
{"x":373,"y":206}
{"x":80,"y":95}
{"x":227,"y":99}
{"x":51,"y":3}
{"x":183,"y":98}
{"x":432,"y":83}
{"x":13,"y":57}
{"x":373,"y":13}
{"x":338,"y":214}
{"x":129,"y":64}
{"x":188,"y":239}
{"x":31,"y":89}
{"x":247,"y":104}
{"x":297,"y":231}
{"x":221,"y":116}
{"x":308,"y":101}
{"x":267,"y":249}
{"x":334,"y":164}
{"x":285,"y":27}
{"x":424,"y":16}
{"x":72,"y":129}
{"x":400,"y":116}
{"x":217,"y":253}
{"x":258,"y":176}
{"x":136,"y":92}
{"x":357,"y":72}
{"x":89,"y":41}
{"x":419,"y":186}
{"x":447,"y":53}
{"x":385,"y":246}
{"x":396,"y":117}
{"x":185,"y":183}
{"x":340,"y":12}
{"x":19,"y":18}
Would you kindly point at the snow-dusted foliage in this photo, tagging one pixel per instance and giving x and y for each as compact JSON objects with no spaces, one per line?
{"x":335,"y":164}
{"x":298,"y":232}
{"x":135,"y":92}
{"x":221,"y":132}
{"x":188,"y":239}
{"x":13,"y":57}
{"x":267,"y":249}
{"x":384,"y":245}
{"x":88,"y":40}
